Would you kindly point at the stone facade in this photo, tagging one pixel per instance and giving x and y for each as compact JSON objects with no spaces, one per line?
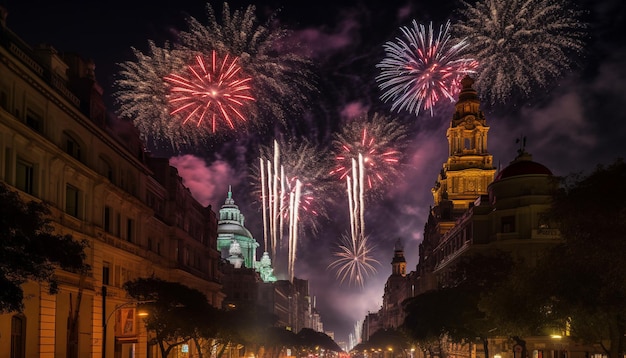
{"x":59,"y":145}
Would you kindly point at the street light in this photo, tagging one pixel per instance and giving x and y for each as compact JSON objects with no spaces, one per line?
{"x":117,"y":308}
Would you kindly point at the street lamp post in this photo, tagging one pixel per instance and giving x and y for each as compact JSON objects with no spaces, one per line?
{"x":105,"y":321}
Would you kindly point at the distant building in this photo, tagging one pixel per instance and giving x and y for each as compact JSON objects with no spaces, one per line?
{"x":236,"y":243}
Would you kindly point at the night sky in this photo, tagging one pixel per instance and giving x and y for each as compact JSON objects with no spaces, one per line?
{"x":571,"y":125}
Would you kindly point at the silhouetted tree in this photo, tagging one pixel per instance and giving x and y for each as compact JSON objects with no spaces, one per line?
{"x":30,"y":251}
{"x":177,"y":313}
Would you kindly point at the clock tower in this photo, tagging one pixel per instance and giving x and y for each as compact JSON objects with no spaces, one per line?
{"x":469,"y":168}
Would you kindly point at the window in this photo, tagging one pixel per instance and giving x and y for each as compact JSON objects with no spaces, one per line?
{"x":71,"y":146}
{"x":34,"y":120}
{"x":107,"y":219}
{"x":118,"y":221}
{"x":4,"y":98}
{"x":18,"y":336}
{"x":72,"y":196}
{"x":105,"y":273}
{"x":24,"y":175}
{"x":508,"y":224}
{"x":129,"y":229}
{"x":106,"y":169}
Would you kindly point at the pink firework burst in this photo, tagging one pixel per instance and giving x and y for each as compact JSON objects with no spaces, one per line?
{"x":379,"y":140}
{"x":216,"y":91}
{"x":422,"y":68}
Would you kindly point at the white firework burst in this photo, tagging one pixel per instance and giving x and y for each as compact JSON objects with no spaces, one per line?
{"x":520,"y":44}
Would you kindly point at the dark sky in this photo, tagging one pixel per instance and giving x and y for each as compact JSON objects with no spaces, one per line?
{"x":573,"y":125}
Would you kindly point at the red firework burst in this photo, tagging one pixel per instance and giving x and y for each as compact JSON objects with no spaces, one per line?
{"x":379,"y":140}
{"x":215,"y":91}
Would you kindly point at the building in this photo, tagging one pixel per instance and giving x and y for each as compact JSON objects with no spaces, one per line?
{"x":477,"y":210}
{"x":57,"y":144}
{"x":247,"y":281}
{"x":464,"y":177}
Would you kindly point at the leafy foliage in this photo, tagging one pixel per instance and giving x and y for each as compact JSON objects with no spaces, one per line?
{"x":30,"y":250}
{"x":178,"y":313}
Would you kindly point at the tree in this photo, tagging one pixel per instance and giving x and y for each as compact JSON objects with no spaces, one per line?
{"x":177,"y":313}
{"x":309,"y":339}
{"x":30,"y":251}
{"x":586,"y":275}
{"x":453,"y":312}
{"x":581,"y":283}
{"x":246,"y":325}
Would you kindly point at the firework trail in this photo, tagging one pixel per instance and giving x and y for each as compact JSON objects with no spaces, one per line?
{"x":379,"y":140}
{"x":288,"y":177}
{"x":422,"y":68}
{"x":150,"y":88}
{"x":210,"y":92}
{"x":353,"y":263}
{"x":520,"y":44}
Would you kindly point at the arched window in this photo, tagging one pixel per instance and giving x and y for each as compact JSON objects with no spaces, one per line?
{"x":18,"y":336}
{"x":105,"y":168}
{"x":72,"y":146}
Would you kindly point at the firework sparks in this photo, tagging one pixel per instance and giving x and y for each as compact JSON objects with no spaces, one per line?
{"x":520,"y":44}
{"x":422,"y":68}
{"x":217,"y":91}
{"x":287,"y":175}
{"x":379,"y":140}
{"x":282,"y":79}
{"x":353,"y":262}
{"x":161,"y":81}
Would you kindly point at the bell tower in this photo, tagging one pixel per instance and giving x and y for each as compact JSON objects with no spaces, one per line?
{"x":469,"y":168}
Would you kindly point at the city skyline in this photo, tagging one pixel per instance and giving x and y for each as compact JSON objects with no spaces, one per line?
{"x":571,"y":125}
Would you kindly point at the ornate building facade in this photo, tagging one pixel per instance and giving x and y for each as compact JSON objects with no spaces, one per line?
{"x":57,"y":145}
{"x":476,"y":209}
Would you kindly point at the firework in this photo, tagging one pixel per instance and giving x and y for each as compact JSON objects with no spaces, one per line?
{"x":289,"y":176}
{"x":353,"y":262}
{"x":142,"y":95}
{"x":157,"y":87}
{"x":210,"y":91}
{"x":422,"y":68}
{"x":520,"y":44}
{"x":282,"y":77}
{"x":379,"y":140}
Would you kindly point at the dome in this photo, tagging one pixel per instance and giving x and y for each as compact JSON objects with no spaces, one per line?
{"x":523,"y":165}
{"x":232,"y":228}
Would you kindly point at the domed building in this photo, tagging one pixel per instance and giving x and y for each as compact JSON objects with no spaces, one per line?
{"x":236,"y":243}
{"x":476,"y":208}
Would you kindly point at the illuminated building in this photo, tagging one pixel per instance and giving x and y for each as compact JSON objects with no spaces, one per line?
{"x":465,"y":176}
{"x":57,"y":144}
